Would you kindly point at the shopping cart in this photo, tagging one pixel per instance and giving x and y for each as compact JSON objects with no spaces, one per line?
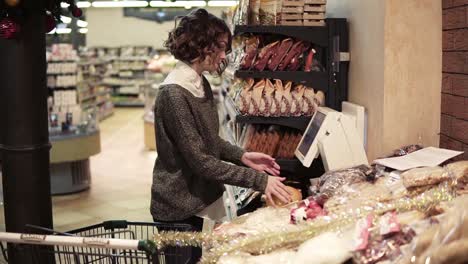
{"x":112,"y":242}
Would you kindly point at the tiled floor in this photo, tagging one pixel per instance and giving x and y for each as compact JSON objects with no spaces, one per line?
{"x":121,"y":178}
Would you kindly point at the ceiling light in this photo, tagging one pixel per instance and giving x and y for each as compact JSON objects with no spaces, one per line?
{"x":223,"y":3}
{"x":60,"y":31}
{"x":178,"y":4}
{"x":81,"y":4}
{"x":120,"y":4}
{"x":81,"y":23}
{"x":65,"y":19}
{"x":83,"y":30}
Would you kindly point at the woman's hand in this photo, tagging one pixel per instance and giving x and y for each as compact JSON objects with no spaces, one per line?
{"x":275,"y":187}
{"x":261,"y":162}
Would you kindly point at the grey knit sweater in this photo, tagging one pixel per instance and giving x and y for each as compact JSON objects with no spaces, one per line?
{"x":189,"y":172}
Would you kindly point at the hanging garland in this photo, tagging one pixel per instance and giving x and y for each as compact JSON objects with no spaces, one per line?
{"x":12,"y":14}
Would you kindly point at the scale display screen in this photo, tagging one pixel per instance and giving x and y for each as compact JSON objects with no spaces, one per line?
{"x":311,"y":133}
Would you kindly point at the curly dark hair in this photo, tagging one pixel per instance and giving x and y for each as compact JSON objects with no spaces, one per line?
{"x":194,"y":33}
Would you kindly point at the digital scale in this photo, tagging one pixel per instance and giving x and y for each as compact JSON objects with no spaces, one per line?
{"x":336,"y":136}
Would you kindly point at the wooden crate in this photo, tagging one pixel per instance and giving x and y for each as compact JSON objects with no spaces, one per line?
{"x":315,"y":8}
{"x":291,"y":16}
{"x":313,"y":16}
{"x":287,"y":3}
{"x":310,"y":22}
{"x":292,"y":10}
{"x":315,"y":2}
{"x":297,"y":22}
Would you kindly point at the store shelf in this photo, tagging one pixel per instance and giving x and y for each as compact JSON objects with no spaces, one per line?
{"x":316,"y":80}
{"x":62,"y":73}
{"x":86,"y":98}
{"x":299,"y":122}
{"x":316,"y":35}
{"x":106,"y":115}
{"x":129,"y":104}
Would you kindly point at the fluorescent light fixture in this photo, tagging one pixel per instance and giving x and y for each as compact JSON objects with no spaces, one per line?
{"x":83,"y":30}
{"x":83,"y":4}
{"x":81,"y":23}
{"x":120,"y":4}
{"x":178,"y":4}
{"x":221,"y":3}
{"x":80,"y":4}
{"x":61,"y":31}
{"x":65,"y":19}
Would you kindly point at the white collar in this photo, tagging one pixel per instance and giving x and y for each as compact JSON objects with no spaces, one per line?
{"x":186,"y":77}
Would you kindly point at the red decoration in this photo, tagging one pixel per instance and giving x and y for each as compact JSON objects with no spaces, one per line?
{"x":9,"y":29}
{"x":50,"y":23}
{"x":76,"y":12}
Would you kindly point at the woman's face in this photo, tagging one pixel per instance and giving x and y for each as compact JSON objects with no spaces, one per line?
{"x":212,"y":61}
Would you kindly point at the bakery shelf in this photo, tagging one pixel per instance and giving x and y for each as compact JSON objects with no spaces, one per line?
{"x":293,"y":169}
{"x":316,"y":35}
{"x":297,"y":122}
{"x":316,"y":80}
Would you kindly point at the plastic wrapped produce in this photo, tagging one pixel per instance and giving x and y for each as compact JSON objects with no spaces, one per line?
{"x":331,"y":181}
{"x":445,"y":242}
{"x":424,"y":176}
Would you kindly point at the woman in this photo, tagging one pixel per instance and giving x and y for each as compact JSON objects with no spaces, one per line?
{"x":189,"y":172}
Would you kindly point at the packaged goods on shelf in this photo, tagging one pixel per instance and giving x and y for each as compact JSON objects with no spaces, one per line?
{"x":62,"y":67}
{"x":281,"y":54}
{"x":272,"y":140}
{"x":265,"y":98}
{"x":62,"y":52}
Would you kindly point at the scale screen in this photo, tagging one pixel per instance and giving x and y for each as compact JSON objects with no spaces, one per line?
{"x":311,"y":133}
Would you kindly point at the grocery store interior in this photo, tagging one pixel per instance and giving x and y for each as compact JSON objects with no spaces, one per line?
{"x":362,"y":104}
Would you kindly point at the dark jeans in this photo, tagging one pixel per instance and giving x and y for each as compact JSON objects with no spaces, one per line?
{"x":171,"y":253}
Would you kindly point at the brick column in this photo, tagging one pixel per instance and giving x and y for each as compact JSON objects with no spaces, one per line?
{"x":454,"y":112}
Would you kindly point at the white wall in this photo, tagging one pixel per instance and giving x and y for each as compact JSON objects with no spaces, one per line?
{"x":108,"y":27}
{"x":366,"y":75}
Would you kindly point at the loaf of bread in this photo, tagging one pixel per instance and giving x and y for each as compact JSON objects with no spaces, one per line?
{"x":296,"y":196}
{"x":424,"y":176}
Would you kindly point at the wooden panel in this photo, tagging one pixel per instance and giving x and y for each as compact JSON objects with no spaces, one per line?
{"x":314,"y":16}
{"x":293,"y":3}
{"x":76,"y":148}
{"x":291,"y":17}
{"x":318,"y":23}
{"x":315,"y":8}
{"x":321,"y":2}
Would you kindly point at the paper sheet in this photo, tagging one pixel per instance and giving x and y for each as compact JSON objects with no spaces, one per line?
{"x":426,"y":157}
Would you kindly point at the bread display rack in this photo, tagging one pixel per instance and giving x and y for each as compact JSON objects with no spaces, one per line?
{"x":332,"y":81}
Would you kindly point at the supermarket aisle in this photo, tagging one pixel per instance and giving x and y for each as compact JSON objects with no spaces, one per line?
{"x":121,"y":178}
